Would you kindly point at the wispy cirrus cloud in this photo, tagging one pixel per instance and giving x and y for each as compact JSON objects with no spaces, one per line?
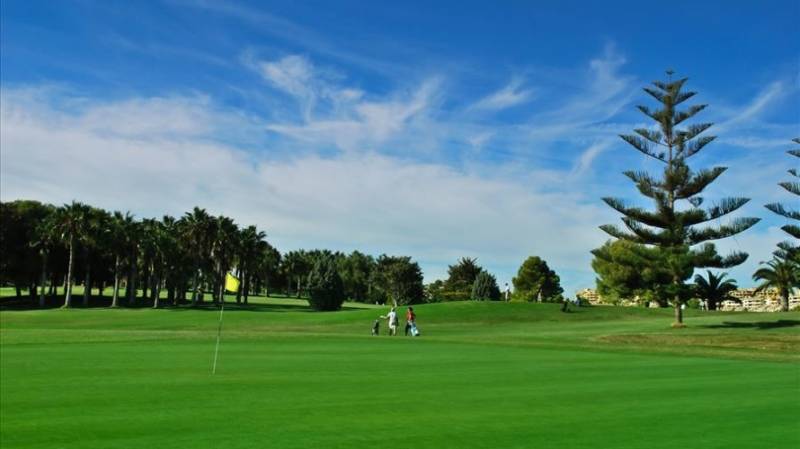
{"x":297,"y":34}
{"x":499,"y":190}
{"x":512,"y":94}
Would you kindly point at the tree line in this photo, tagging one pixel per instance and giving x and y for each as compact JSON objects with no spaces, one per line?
{"x":45,"y":247}
{"x":174,"y":261}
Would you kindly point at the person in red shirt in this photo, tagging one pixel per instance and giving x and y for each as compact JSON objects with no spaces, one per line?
{"x":410,"y":319}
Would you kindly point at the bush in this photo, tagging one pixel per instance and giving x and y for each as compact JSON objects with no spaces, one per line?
{"x":325,"y":287}
{"x":485,"y":288}
{"x":536,"y":280}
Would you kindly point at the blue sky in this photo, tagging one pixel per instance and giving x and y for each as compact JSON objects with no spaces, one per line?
{"x":436,"y":131}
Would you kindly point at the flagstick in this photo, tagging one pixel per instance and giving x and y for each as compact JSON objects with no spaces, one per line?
{"x":219,"y":332}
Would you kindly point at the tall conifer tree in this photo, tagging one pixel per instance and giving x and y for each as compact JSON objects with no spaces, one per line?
{"x":678,"y":225}
{"x":789,"y":249}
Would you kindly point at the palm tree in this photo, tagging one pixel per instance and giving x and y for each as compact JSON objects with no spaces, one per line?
{"x":120,"y":233}
{"x":96,"y":233}
{"x":251,"y":246}
{"x":151,"y":256}
{"x":178,"y":262}
{"x":268,"y":267}
{"x":70,"y":225}
{"x":134,"y":236}
{"x":45,"y":240}
{"x":714,"y":289}
{"x":782,"y":274}
{"x":196,"y":232}
{"x":223,"y":247}
{"x":296,"y":266}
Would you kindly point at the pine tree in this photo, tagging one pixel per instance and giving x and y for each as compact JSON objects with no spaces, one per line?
{"x":485,"y":288}
{"x":674,"y":224}
{"x":788,"y":249}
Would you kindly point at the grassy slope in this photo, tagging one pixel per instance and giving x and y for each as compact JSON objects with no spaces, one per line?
{"x":483,"y":375}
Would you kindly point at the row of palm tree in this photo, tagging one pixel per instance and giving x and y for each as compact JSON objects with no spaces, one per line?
{"x":187,"y":257}
{"x":780,"y":273}
{"x":193,"y":253}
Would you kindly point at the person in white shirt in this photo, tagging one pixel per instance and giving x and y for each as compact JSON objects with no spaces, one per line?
{"x":392,"y":318}
{"x":507,"y":292}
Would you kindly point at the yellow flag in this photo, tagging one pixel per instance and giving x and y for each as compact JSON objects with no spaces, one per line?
{"x":231,"y":283}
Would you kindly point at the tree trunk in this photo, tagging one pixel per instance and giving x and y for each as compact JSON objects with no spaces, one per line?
{"x":44,"y":279}
{"x":678,"y":314}
{"x":784,"y":301}
{"x":195,"y":283}
{"x":131,"y":287}
{"x":246,"y":287}
{"x":68,"y":294}
{"x":87,"y":284}
{"x":298,"y":287}
{"x":19,"y":290}
{"x":222,"y":286}
{"x":145,"y":275}
{"x":156,"y":292}
{"x":239,"y":288}
{"x":712,"y":304}
{"x":115,"y":295}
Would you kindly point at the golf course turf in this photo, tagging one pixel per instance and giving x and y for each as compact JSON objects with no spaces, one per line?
{"x":482,"y":375}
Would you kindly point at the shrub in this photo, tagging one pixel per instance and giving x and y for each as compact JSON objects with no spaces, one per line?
{"x":325,"y":287}
{"x":485,"y":287}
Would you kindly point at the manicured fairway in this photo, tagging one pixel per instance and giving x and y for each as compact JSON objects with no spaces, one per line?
{"x":482,"y":376}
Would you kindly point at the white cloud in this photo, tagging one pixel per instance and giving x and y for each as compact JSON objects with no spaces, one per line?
{"x":584,"y":162}
{"x":511,"y":95}
{"x":366,"y":201}
{"x":166,"y":154}
{"x":292,"y":74}
{"x":361,"y":124}
{"x":755,"y":108}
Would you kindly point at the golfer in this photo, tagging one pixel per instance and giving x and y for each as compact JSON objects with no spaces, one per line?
{"x":392,"y":318}
{"x":410,"y":319}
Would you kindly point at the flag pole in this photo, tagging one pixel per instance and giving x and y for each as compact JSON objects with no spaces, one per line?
{"x":219,"y":333}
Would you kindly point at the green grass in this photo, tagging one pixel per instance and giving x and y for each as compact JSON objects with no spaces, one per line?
{"x":482,"y":375}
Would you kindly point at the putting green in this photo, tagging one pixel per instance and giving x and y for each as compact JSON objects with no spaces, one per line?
{"x":482,"y":375}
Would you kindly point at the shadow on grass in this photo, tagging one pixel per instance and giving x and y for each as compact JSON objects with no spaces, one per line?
{"x":233,"y":307}
{"x":754,"y":325}
{"x":104,"y":302}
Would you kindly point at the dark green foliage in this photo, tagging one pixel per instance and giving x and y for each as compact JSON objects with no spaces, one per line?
{"x":296,"y":266}
{"x":396,"y":280}
{"x":673,"y":224}
{"x":461,"y":277}
{"x":789,"y":249}
{"x":535,"y":281}
{"x":80,"y":243}
{"x":628,"y":270}
{"x":325,"y":288}
{"x":434,"y":292}
{"x":714,"y":288}
{"x":21,"y":227}
{"x":267,"y":272}
{"x":356,"y":270}
{"x":485,"y":288}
